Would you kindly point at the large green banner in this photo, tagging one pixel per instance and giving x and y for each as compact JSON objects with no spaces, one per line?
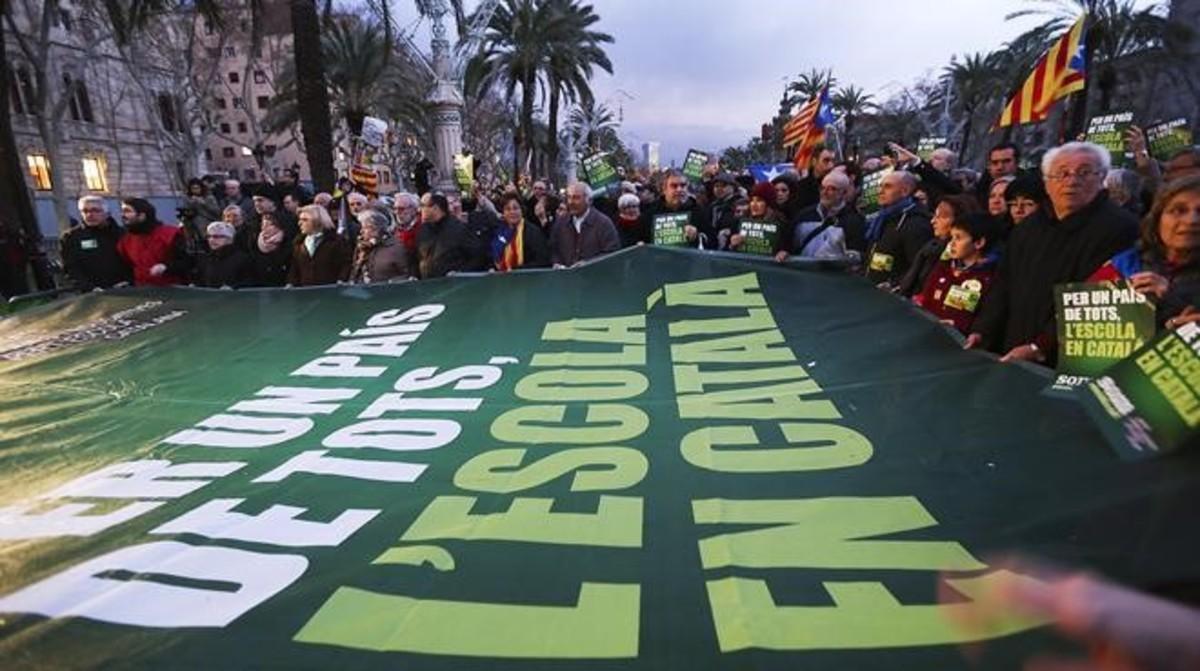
{"x":667,"y":459}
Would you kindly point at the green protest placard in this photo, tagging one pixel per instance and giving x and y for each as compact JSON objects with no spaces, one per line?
{"x":1108,"y":131}
{"x":599,"y":171}
{"x":1099,"y":324}
{"x":464,"y":172}
{"x":662,"y":460}
{"x":868,"y":198}
{"x":759,"y":237}
{"x":1167,"y":138}
{"x":668,"y":229}
{"x":693,"y":165}
{"x":927,"y":145}
{"x":1149,"y":404}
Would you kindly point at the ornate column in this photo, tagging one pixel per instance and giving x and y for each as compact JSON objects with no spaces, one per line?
{"x":447,"y":101}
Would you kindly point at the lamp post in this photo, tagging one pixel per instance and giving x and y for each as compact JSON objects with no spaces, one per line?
{"x":445,"y":98}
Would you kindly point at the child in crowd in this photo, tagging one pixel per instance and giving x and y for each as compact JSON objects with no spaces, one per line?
{"x":956,"y":286}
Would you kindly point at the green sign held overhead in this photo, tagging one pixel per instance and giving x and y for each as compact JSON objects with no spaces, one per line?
{"x":759,"y":237}
{"x":1149,"y":404}
{"x":600,"y":173}
{"x":693,"y":165}
{"x":1108,"y":131}
{"x":1168,"y":138}
{"x":669,"y":229}
{"x":662,"y":460}
{"x":868,"y":199}
{"x":1099,"y":324}
{"x":927,"y":145}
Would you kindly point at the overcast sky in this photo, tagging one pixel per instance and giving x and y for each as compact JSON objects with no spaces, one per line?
{"x":708,"y":73}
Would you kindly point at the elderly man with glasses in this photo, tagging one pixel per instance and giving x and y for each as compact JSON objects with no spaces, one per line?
{"x":1081,"y":230}
{"x":89,"y":252}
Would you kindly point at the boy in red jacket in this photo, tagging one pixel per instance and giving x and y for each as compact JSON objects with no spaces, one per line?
{"x":956,"y":286}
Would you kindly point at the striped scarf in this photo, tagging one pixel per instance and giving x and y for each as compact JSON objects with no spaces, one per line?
{"x":508,"y":248}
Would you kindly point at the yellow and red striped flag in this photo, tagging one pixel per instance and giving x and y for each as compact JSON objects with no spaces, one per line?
{"x":807,"y":129}
{"x":1059,"y":73}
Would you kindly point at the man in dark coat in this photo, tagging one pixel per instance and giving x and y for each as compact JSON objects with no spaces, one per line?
{"x":583,"y":233}
{"x":89,"y":252}
{"x":724,"y":219}
{"x":1066,"y":243}
{"x":444,"y":244}
{"x":898,"y":231}
{"x":832,"y":212}
{"x":1003,"y":161}
{"x":808,"y":189}
{"x":675,"y":201}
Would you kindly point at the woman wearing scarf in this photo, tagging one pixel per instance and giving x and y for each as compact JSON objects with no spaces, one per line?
{"x":517,"y":244}
{"x":319,"y":255}
{"x":379,"y":257}
{"x":270,"y":253}
{"x":633,"y":227}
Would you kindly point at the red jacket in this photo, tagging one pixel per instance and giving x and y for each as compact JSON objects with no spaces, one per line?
{"x":143,"y":251}
{"x":954,"y":294}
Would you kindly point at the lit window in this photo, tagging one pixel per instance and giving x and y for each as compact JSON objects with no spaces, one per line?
{"x":39,"y":169}
{"x":93,"y":173}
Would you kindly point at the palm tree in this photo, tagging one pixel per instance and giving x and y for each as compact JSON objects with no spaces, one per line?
{"x":849,"y":103}
{"x":513,"y":54}
{"x":1116,"y":28}
{"x":972,"y":84}
{"x":594,"y":124}
{"x":573,"y":54}
{"x":312,"y":94}
{"x":808,"y":84}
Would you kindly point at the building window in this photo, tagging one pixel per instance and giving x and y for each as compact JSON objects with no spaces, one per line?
{"x":260,"y":77}
{"x":264,"y":102}
{"x":166,"y":112}
{"x":238,"y":102}
{"x":242,"y":127}
{"x":39,"y":169}
{"x":269,"y":150}
{"x":227,"y":152}
{"x":244,"y":25}
{"x":209,"y":28}
{"x":230,"y":51}
{"x":250,"y":175}
{"x":81,"y":104}
{"x":207,"y":154}
{"x":65,"y":17}
{"x":220,"y":103}
{"x":225,"y":128}
{"x":14,"y":93}
{"x":234,"y":78}
{"x":213,"y":52}
{"x":94,"y":169}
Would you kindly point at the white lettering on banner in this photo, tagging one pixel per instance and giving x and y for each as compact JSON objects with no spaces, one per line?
{"x":147,"y":479}
{"x":130,"y":586}
{"x":337,"y":366}
{"x":396,"y":434}
{"x":276,"y":525}
{"x":296,"y":401}
{"x":315,"y":461}
{"x":19,"y":523}
{"x":242,"y":432}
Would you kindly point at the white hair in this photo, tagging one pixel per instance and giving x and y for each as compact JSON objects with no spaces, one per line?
{"x":408,"y":198}
{"x":628,"y":200}
{"x":376,"y":218}
{"x":355,"y":196}
{"x":580,"y":187}
{"x":1100,"y":154}
{"x":949,"y":155}
{"x":234,"y":183}
{"x":232,"y":208}
{"x":838,"y":176}
{"x":906,"y":178}
{"x":85,"y":200}
{"x":1123,"y":184}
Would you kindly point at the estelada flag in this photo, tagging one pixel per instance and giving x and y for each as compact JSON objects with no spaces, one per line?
{"x":1060,"y":72}
{"x":807,"y":129}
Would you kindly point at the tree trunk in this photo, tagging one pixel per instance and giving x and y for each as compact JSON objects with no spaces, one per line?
{"x":525,"y":142}
{"x":20,"y":219}
{"x":966,"y":136}
{"x":312,"y":94}
{"x":552,"y":139}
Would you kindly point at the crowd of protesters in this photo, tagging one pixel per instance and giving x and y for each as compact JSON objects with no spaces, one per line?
{"x":982,"y":252}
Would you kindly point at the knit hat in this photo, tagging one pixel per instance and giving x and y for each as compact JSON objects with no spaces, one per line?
{"x":221,"y":229}
{"x":1026,"y":186}
{"x":764,"y":191}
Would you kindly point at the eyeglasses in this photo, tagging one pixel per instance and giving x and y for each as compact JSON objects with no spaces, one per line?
{"x":216,"y":237}
{"x":1063,"y":175}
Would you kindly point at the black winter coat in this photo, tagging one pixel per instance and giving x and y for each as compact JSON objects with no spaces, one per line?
{"x":447,"y":246}
{"x":90,"y":257}
{"x":225,"y":267}
{"x":904,"y":234}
